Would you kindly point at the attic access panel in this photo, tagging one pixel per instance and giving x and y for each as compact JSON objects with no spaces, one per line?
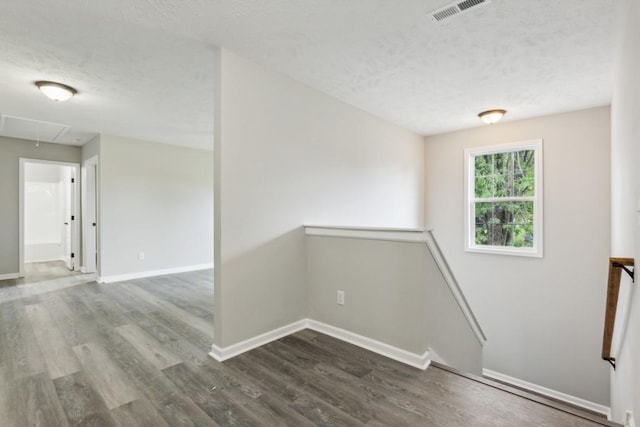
{"x":35,"y":130}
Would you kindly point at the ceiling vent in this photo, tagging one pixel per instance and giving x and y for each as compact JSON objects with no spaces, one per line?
{"x":35,"y":130}
{"x":457,"y":8}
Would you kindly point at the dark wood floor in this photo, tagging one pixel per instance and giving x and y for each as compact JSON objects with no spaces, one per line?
{"x":136,"y":354}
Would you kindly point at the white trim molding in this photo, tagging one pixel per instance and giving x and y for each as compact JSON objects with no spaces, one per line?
{"x":152,"y":273}
{"x":454,"y":287}
{"x":222,"y":354}
{"x":420,"y":361}
{"x":9,"y":276}
{"x":629,"y":420}
{"x":411,"y":235}
{"x":408,"y":235}
{"x":544,"y":391}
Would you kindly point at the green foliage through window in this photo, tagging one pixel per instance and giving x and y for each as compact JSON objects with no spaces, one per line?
{"x":504,"y":191}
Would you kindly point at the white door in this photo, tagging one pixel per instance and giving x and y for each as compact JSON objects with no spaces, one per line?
{"x":90,"y":220}
{"x":70,"y":217}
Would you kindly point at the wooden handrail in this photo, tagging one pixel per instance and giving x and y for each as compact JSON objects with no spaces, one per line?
{"x":613,"y":289}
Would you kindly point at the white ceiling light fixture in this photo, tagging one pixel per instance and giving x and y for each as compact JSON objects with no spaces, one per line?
{"x":56,"y":91}
{"x":492,"y":116}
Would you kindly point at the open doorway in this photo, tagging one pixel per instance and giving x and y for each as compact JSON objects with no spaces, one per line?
{"x":49,"y":222}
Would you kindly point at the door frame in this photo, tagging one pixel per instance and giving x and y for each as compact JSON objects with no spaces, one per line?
{"x":90,"y":166}
{"x":75,"y":239}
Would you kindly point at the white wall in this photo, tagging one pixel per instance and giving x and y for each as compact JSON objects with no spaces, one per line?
{"x":157,"y":199}
{"x":543,"y":317}
{"x":625,"y":203}
{"x":287,"y":155}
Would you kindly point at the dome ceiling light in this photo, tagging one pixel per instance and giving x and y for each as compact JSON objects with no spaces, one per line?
{"x":56,"y":91}
{"x":492,"y":116}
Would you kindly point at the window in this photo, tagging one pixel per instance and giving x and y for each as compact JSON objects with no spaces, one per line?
{"x":504,"y":199}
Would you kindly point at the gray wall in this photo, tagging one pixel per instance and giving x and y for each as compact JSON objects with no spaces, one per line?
{"x":394,"y":293}
{"x":157,"y":199}
{"x":625,"y":201}
{"x":543,"y":317}
{"x":384,"y":284}
{"x":447,"y":332}
{"x":287,"y":155}
{"x":91,"y":148}
{"x":11,"y":150}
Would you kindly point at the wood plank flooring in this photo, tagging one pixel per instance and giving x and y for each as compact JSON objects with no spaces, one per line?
{"x":41,"y":271}
{"x":135,"y":354}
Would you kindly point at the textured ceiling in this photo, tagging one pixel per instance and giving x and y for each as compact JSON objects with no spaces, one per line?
{"x":144,"y":69}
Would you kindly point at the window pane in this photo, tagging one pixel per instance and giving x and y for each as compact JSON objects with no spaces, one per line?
{"x":504,"y":185}
{"x":483,"y":222}
{"x":504,"y":224}
{"x":484,"y":187}
{"x":483,"y":165}
{"x":524,"y":173}
{"x":508,"y":174}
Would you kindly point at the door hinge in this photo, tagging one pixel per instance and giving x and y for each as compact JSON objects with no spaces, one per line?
{"x":73,"y":180}
{"x":73,"y":255}
{"x":73,"y":217}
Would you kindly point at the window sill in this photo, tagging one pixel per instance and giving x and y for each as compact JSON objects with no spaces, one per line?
{"x":500,"y":250}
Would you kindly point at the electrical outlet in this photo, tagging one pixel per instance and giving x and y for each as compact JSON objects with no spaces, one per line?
{"x":340,"y":297}
{"x":140,"y":256}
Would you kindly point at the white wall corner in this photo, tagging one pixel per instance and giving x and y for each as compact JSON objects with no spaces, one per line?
{"x":435,"y":357}
{"x":152,"y":273}
{"x":420,"y":361}
{"x":554,"y":394}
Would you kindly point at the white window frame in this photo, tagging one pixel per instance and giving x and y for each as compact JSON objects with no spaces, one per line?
{"x":470,"y":201}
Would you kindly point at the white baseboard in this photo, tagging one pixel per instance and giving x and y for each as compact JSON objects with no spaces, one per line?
{"x":152,"y":273}
{"x":582,"y":403}
{"x":629,"y":421}
{"x":403,"y":356}
{"x":420,"y":361}
{"x":31,"y":261}
{"x":222,"y":354}
{"x":84,"y":270}
{"x":9,"y":276}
